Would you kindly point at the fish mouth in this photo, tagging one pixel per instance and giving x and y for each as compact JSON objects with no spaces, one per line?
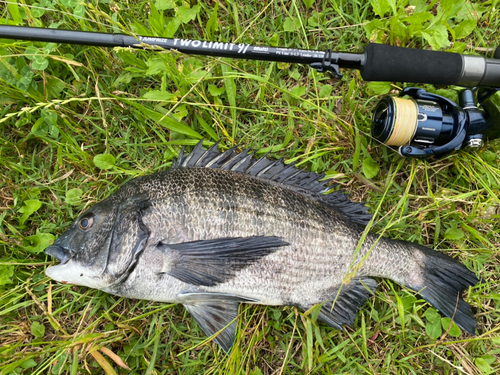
{"x":60,"y":253}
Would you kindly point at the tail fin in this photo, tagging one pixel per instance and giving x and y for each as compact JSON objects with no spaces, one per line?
{"x":444,"y":281}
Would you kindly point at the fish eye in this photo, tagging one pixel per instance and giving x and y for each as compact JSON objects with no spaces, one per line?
{"x":86,"y":223}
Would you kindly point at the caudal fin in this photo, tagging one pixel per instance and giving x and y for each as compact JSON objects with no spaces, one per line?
{"x":444,"y":280}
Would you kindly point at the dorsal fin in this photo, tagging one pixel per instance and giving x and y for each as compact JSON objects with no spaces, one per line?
{"x":287,"y":174}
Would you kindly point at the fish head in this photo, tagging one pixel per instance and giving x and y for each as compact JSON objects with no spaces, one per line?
{"x":101,"y":245}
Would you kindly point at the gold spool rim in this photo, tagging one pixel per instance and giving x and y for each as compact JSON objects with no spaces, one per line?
{"x":405,"y":122}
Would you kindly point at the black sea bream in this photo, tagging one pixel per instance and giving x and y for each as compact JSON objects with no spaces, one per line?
{"x":218,"y":229}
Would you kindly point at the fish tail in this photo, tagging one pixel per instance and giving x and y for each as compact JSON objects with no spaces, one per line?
{"x":441,"y":282}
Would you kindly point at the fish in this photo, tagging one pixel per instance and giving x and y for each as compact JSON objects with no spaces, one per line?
{"x":218,"y":229}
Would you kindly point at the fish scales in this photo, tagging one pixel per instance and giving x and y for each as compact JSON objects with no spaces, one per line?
{"x":210,"y":238}
{"x":260,"y":209}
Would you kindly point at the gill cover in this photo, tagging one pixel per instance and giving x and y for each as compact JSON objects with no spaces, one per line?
{"x":128,"y":240}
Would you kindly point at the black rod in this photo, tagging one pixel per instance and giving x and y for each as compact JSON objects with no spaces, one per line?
{"x":188,"y":46}
{"x":378,"y":62}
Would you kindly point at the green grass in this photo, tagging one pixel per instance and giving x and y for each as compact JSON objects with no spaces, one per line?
{"x":62,"y":105}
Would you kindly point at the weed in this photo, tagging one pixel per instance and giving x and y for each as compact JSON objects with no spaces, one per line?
{"x":78,"y":121}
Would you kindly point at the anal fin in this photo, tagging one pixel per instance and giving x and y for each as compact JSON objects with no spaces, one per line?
{"x":344,"y":306}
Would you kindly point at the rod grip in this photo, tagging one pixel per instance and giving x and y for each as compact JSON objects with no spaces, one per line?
{"x":397,"y":64}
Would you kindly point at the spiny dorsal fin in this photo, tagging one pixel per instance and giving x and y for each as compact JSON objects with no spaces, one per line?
{"x":287,"y":174}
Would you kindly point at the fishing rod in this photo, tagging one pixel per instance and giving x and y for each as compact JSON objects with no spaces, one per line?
{"x":427,"y":125}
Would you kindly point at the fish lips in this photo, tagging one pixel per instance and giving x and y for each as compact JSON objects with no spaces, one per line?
{"x":60,"y":253}
{"x":69,"y":270}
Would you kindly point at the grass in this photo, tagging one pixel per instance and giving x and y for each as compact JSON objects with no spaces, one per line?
{"x":78,"y":121}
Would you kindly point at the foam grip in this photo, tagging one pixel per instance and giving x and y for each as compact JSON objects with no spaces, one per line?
{"x":397,"y":64}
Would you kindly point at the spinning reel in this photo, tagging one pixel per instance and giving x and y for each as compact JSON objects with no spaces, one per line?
{"x":429,"y":125}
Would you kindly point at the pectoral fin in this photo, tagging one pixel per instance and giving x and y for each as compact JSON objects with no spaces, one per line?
{"x":216,"y":318}
{"x":210,"y":262}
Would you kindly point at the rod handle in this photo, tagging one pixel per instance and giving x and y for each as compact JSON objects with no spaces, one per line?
{"x":397,"y":64}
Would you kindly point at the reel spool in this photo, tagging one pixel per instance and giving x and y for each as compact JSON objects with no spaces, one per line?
{"x":398,"y":122}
